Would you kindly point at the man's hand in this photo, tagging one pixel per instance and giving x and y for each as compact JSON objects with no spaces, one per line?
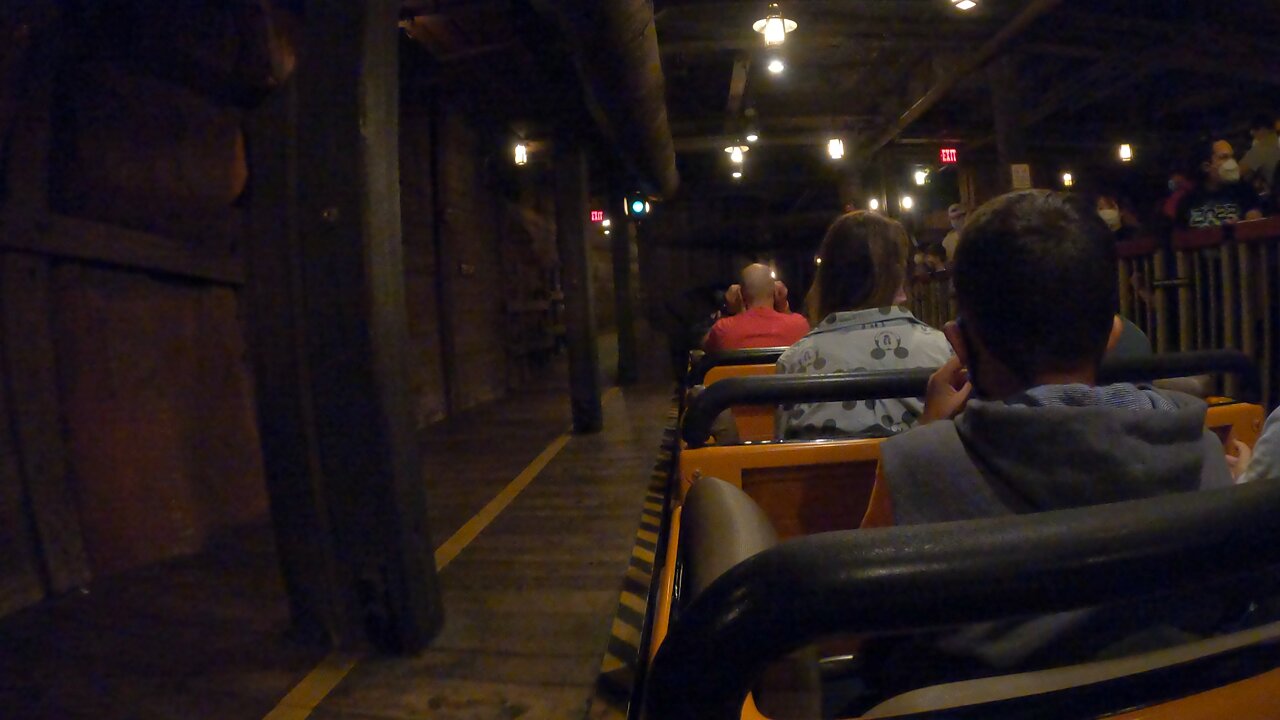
{"x":1239,"y":462}
{"x":780,"y":303}
{"x":949,"y":389}
{"x":733,"y":299}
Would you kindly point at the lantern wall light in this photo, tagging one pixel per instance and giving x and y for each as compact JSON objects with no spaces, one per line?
{"x":1126,"y":152}
{"x":835,"y":148}
{"x":522,"y":154}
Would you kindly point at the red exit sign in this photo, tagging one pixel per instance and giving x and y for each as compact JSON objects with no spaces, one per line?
{"x":948,"y":156}
{"x":597,"y":216}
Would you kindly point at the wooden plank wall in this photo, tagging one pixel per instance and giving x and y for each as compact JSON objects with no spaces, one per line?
{"x":472,"y":286}
{"x":126,"y":426}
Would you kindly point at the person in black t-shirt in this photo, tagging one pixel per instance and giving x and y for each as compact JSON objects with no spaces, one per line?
{"x":1220,"y":199}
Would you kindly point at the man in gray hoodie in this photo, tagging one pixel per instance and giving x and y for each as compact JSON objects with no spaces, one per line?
{"x":1016,"y":423}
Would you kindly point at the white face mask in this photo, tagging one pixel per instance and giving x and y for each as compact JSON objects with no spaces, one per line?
{"x":1229,"y":171}
{"x":1111,"y":217}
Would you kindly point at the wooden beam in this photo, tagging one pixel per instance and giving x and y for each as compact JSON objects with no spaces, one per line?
{"x":737,"y":89}
{"x":570,"y":166}
{"x":1006,"y":99}
{"x":1030,"y":12}
{"x":344,"y":469}
{"x":60,"y":236}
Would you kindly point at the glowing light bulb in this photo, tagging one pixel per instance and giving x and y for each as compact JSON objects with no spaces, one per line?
{"x":964,"y":4}
{"x":776,"y":67}
{"x":874,"y":204}
{"x":737,"y":174}
{"x":921,"y":177}
{"x":606,"y":222}
{"x":522,"y":154}
{"x":835,"y":148}
{"x":1126,"y":152}
{"x":1068,"y":180}
{"x":907,"y":202}
{"x":752,"y":137}
{"x":736,"y":155}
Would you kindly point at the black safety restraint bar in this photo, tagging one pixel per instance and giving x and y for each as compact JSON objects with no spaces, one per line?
{"x":924,"y":576}
{"x":877,"y":384}
{"x":754,"y":356}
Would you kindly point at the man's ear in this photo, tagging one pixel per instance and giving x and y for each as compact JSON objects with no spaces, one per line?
{"x":1117,"y":329}
{"x":956,"y":338}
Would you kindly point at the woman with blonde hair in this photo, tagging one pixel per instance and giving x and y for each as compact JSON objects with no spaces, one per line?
{"x":860,"y":322}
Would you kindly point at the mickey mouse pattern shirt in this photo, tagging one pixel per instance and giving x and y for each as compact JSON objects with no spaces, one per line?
{"x":887,"y":338}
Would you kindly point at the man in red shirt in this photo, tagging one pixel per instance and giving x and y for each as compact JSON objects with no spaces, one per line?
{"x":762,"y":324}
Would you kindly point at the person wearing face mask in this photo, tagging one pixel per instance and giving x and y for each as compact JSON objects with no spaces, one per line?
{"x":1122,"y":224}
{"x":1220,"y":199}
{"x":956,"y":214}
{"x":1262,"y":158}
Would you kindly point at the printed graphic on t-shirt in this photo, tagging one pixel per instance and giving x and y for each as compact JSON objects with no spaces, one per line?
{"x":1213,"y":214}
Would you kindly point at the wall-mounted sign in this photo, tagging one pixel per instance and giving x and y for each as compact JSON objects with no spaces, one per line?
{"x":597,"y":216}
{"x":1021,"y":176}
{"x":948,"y":156}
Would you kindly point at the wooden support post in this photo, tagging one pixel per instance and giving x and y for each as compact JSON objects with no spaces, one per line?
{"x":624,"y":235}
{"x":27,"y":353}
{"x":1125,"y":271}
{"x":571,"y":236}
{"x":1006,"y":104}
{"x":327,"y":308}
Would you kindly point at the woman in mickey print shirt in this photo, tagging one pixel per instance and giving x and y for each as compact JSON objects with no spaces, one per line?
{"x":859,"y":323}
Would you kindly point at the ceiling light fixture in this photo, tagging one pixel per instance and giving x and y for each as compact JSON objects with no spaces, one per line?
{"x":774,"y":26}
{"x":776,"y":67}
{"x":1126,"y":152}
{"x":874,"y":204}
{"x":522,"y":154}
{"x":907,"y":202}
{"x":606,"y":222}
{"x":835,"y":148}
{"x":964,"y":4}
{"x":737,"y":174}
{"x":752,"y":137}
{"x":736,"y":152}
{"x":1068,"y":180}
{"x":922,"y":177}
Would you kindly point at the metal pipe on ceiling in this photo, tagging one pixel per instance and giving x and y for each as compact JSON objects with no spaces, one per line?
{"x":615,"y":48}
{"x":1029,"y":13}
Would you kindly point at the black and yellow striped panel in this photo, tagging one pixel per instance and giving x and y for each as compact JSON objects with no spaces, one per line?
{"x":618,"y":668}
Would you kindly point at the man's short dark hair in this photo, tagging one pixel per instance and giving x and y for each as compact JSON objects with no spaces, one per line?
{"x":1035,"y":279}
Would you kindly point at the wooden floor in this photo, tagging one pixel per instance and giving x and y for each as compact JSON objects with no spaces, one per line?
{"x":529,"y":603}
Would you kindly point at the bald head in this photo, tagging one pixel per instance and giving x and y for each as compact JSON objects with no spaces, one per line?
{"x":757,"y":285}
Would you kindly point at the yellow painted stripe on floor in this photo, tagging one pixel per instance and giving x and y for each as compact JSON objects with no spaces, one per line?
{"x":626,"y":633}
{"x":611,"y":664}
{"x":645,"y":555}
{"x":306,"y":695}
{"x":633,"y":601}
{"x":647,"y":536}
{"x":473,"y":527}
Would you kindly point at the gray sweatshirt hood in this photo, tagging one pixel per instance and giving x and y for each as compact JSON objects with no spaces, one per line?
{"x":1066,"y":446}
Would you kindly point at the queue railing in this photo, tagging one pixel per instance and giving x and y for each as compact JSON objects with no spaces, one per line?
{"x":931,"y":299}
{"x":1212,"y":288}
